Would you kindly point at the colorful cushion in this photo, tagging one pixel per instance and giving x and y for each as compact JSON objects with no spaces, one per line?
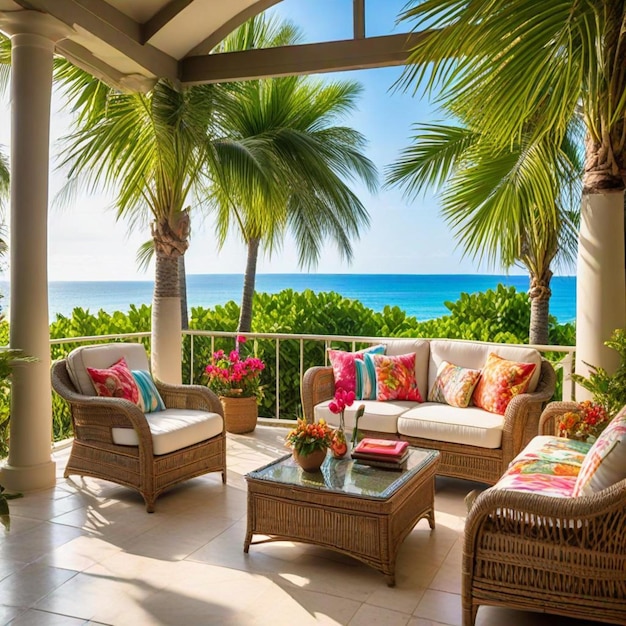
{"x":605,"y":463}
{"x":454,"y":385}
{"x":500,"y":381}
{"x":115,"y":381}
{"x":365,"y":378}
{"x":395,"y":377}
{"x":149,"y":400}
{"x":344,"y":370}
{"x":548,"y":465}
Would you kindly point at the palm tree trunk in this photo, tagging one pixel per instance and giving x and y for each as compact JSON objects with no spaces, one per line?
{"x":540,"y":309}
{"x":249,"y":280}
{"x":182,"y":286}
{"x":170,"y":243}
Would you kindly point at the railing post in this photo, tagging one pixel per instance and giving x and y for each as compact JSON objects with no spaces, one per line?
{"x":191,"y":363}
{"x":566,"y":365}
{"x":277,"y":378}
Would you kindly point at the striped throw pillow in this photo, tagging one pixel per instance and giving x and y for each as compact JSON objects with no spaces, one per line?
{"x":150,"y":400}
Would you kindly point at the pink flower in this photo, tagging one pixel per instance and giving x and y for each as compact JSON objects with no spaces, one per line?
{"x":240,"y":339}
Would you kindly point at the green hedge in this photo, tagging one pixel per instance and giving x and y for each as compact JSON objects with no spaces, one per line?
{"x":501,"y":315}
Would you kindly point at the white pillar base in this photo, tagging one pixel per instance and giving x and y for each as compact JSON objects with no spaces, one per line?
{"x":23,"y":479}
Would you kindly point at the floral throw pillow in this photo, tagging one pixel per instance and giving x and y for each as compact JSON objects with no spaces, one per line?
{"x":454,"y":385}
{"x":149,"y":400}
{"x":500,"y":381}
{"x":605,"y":463}
{"x":115,"y":381}
{"x":344,"y":370}
{"x":395,"y":377}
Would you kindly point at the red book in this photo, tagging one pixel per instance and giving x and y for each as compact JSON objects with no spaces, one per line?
{"x":382,"y":447}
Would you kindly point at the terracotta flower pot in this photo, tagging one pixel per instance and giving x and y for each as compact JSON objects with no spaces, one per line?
{"x":310,"y":462}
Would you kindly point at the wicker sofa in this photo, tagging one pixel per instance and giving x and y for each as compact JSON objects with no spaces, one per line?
{"x":532,"y":544}
{"x":474,"y":444}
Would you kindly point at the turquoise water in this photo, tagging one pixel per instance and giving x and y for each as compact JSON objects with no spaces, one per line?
{"x":420,"y":295}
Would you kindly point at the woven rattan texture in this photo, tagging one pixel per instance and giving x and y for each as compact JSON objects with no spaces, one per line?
{"x":95,"y":454}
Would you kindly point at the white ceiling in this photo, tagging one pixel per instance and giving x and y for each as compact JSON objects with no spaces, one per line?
{"x":131,"y":43}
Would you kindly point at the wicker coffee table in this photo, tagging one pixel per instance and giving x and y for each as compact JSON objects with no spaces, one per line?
{"x":352,"y":508}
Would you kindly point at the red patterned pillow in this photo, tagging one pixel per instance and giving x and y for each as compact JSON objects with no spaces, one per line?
{"x":500,"y":381}
{"x":395,"y":377}
{"x":115,"y":382}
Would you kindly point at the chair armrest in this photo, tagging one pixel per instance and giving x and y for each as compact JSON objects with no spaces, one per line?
{"x":195,"y":397}
{"x":585,"y":522}
{"x":318,"y":384}
{"x":521,"y":418}
{"x":550,"y":415}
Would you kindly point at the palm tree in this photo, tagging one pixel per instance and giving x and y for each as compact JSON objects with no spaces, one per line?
{"x":150,"y":150}
{"x":505,"y":204}
{"x":282,"y":136}
{"x":507,"y":55}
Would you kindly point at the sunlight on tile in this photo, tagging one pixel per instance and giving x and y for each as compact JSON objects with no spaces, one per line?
{"x":86,"y":552}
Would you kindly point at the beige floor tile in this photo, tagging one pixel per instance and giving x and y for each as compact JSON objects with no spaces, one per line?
{"x":32,"y":617}
{"x":86,"y":552}
{"x":440,"y":606}
{"x":31,"y":583}
{"x":369,"y":615}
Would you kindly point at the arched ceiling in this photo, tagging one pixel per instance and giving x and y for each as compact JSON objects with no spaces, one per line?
{"x":131,"y":43}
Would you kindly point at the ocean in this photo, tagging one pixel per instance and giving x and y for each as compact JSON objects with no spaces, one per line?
{"x":422,"y":296}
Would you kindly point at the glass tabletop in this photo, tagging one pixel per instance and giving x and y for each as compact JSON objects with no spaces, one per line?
{"x":346,"y":476}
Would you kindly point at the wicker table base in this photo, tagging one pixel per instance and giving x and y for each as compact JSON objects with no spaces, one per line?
{"x":285,"y":503}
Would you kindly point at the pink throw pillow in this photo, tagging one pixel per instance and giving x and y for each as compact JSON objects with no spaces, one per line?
{"x":500,"y":382}
{"x":115,"y":381}
{"x":395,"y":377}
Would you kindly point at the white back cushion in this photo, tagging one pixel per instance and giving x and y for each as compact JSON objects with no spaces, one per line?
{"x":100,"y":357}
{"x":474,"y":355}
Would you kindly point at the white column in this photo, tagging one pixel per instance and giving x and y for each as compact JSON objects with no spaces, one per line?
{"x":600,"y":283}
{"x":33,"y":36}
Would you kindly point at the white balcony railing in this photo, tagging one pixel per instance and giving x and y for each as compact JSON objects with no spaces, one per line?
{"x":566,"y":364}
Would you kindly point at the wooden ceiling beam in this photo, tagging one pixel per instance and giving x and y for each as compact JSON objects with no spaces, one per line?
{"x":332,"y":56}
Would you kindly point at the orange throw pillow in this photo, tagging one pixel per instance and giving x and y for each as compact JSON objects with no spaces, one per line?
{"x":500,"y":381}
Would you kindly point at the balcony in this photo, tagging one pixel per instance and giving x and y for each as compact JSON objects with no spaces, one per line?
{"x":86,"y":551}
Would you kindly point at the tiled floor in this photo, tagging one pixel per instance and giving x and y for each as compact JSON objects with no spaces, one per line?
{"x":87,"y":552}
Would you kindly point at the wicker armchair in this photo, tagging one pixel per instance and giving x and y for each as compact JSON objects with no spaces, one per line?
{"x":565,"y":556}
{"x":96,"y":451}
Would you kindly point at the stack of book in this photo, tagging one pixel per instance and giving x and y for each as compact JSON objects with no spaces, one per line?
{"x":383,"y":453}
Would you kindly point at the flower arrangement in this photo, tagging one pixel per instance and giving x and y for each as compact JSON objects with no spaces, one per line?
{"x":233,"y":376}
{"x":343,"y":399}
{"x":585,"y":423}
{"x":307,"y":437}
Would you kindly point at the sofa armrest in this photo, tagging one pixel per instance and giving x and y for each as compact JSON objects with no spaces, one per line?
{"x":521,"y":418}
{"x":550,"y":415}
{"x":318,"y":384}
{"x":554,"y":551}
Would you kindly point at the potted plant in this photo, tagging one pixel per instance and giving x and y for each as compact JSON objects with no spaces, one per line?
{"x":237,"y":381}
{"x":310,"y":442}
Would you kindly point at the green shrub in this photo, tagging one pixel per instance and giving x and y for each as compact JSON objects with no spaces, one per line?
{"x":500,"y":315}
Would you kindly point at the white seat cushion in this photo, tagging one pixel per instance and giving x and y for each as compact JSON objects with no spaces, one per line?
{"x":378,"y":416}
{"x":174,"y":429}
{"x":440,"y":422}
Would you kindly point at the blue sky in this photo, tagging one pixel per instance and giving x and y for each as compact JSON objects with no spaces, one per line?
{"x":405,"y":236}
